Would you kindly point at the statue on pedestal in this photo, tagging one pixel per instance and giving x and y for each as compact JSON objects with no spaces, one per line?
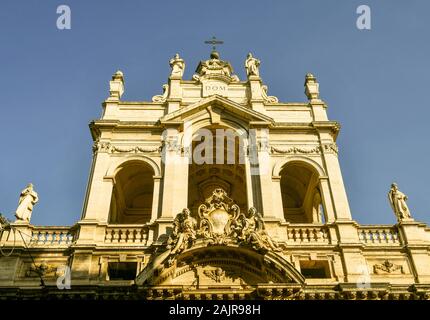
{"x":251,"y":65}
{"x":27,"y":200}
{"x":397,"y":201}
{"x":178,"y":66}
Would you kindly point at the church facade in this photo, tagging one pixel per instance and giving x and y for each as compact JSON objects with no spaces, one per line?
{"x":215,"y":190}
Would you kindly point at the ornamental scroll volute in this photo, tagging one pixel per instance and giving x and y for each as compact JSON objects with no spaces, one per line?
{"x":217,"y":215}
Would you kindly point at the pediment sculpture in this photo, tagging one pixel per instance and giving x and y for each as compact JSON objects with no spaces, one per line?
{"x":220,"y":222}
{"x":215,"y":68}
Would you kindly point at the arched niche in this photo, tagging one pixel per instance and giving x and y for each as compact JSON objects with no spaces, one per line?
{"x":211,"y":173}
{"x":132,"y":194}
{"x":301,"y":192}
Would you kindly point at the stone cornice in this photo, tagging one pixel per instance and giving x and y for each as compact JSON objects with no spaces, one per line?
{"x":96,"y":126}
{"x":285,"y":291}
{"x":332,"y":126}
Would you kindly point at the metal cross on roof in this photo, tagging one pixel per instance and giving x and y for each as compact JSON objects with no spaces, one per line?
{"x":214,"y":41}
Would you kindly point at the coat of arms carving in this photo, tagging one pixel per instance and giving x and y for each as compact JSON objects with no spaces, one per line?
{"x":220,"y":222}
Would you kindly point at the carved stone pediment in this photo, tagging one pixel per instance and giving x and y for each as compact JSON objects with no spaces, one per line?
{"x":235,"y":109}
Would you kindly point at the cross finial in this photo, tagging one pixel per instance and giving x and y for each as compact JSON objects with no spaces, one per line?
{"x":214,"y":41}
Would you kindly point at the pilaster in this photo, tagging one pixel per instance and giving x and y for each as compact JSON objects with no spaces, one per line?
{"x":175,"y":94}
{"x":175,"y":180}
{"x":415,"y":240}
{"x":256,"y":96}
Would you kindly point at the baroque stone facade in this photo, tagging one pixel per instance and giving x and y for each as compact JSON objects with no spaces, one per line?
{"x":272,"y":223}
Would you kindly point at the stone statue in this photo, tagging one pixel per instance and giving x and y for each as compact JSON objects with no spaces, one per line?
{"x":251,"y":65}
{"x":162,"y":97}
{"x":178,"y":66}
{"x":257,"y":234}
{"x":398,"y":203}
{"x":184,"y":232}
{"x":27,"y":200}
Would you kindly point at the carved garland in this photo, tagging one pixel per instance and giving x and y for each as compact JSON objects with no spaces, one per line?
{"x":109,"y":148}
{"x":294,"y":149}
{"x":326,"y":148}
{"x":172,"y":145}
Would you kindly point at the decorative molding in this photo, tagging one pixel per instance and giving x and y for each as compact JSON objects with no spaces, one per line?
{"x":171,"y":143}
{"x":220,"y":222}
{"x":260,"y":144}
{"x":294,"y":150}
{"x":330,"y":148}
{"x":217,"y":275}
{"x":107,"y":147}
{"x":99,"y":146}
{"x":135,"y":149}
{"x":326,"y":148}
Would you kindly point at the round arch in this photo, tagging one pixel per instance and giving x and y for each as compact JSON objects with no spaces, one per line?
{"x":219,"y":266}
{"x":133,"y":185}
{"x":201,"y":123}
{"x":308,"y":162}
{"x":300,"y":189}
{"x":119,"y":164}
{"x":208,"y":173}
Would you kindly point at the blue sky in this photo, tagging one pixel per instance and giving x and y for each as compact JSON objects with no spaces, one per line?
{"x":375,"y":83}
